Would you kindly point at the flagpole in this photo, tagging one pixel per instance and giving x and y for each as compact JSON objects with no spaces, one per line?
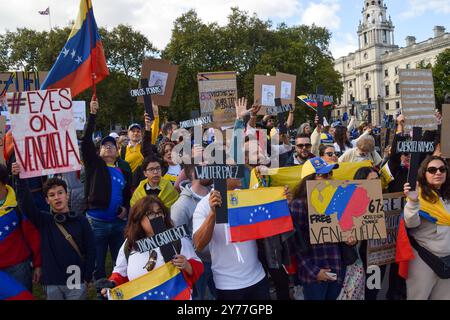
{"x":50,"y":18}
{"x":93,"y":58}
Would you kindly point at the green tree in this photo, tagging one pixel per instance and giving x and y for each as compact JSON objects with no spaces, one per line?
{"x":441,"y":76}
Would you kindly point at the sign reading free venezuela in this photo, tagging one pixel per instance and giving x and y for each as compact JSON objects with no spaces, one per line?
{"x":43,"y":130}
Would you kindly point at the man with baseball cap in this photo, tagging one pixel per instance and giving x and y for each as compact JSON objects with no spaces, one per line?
{"x":318,"y":166}
{"x":107,"y":191}
{"x":132,"y":152}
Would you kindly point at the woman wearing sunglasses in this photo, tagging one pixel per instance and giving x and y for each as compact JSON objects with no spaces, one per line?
{"x":132,"y":264}
{"x":427,"y":218}
{"x":328,"y":153}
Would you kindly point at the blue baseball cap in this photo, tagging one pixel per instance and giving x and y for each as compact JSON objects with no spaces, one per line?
{"x":317,"y":165}
{"x":326,"y":138}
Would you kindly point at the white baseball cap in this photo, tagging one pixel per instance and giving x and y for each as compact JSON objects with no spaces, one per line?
{"x":114,"y":135}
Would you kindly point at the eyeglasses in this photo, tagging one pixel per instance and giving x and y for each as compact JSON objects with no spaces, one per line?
{"x":108,"y":146}
{"x":156,"y":214}
{"x":155,"y":169}
{"x":434,"y":170}
{"x":330,"y":154}
{"x":306,"y":145}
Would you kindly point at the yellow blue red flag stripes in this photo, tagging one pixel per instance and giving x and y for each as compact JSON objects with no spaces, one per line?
{"x":163,"y":283}
{"x":291,"y":176}
{"x":81,"y":62}
{"x":258,"y":213}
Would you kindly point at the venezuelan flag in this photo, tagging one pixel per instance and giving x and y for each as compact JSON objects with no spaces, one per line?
{"x":313,"y":103}
{"x":163,"y":283}
{"x":290,"y":176}
{"x":345,"y":201}
{"x":81,"y":57}
{"x":258,"y":213}
{"x":10,"y":289}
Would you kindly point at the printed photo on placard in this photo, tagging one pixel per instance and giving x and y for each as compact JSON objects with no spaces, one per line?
{"x":268,"y":95}
{"x":157,"y":78}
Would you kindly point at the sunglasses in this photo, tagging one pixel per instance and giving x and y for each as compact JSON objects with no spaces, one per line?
{"x":306,"y":145}
{"x":330,"y":154}
{"x":434,"y":170}
{"x":151,"y":261}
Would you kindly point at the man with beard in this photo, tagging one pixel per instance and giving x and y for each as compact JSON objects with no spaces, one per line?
{"x":300,"y":154}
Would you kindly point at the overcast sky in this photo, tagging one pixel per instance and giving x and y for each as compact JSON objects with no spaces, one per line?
{"x":155,"y":18}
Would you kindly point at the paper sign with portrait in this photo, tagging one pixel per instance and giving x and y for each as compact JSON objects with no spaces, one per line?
{"x":159,"y":73}
{"x":266,"y":89}
{"x":339,"y":209}
{"x":287,"y":84}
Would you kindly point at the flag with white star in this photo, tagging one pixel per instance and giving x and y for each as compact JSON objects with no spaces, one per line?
{"x":164,"y":283}
{"x":81,"y":62}
{"x":258,"y":213}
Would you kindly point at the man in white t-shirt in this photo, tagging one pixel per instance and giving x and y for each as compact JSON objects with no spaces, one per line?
{"x":237,"y":272}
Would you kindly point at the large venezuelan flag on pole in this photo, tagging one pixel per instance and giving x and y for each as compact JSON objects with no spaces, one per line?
{"x":10,"y":289}
{"x":81,"y":63}
{"x":163,"y":283}
{"x":258,"y":213}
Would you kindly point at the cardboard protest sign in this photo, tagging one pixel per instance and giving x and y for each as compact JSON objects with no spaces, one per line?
{"x":445,"y":131}
{"x":382,"y":251}
{"x":340,"y":209}
{"x":218,"y":92}
{"x":43,"y":128}
{"x":417,"y":95}
{"x":79,"y":114}
{"x":159,"y":73}
{"x":287,"y":84}
{"x":21,"y":81}
{"x":266,"y":89}
{"x":2,"y":135}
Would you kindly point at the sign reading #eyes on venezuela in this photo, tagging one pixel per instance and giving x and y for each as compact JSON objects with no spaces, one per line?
{"x":340,"y":209}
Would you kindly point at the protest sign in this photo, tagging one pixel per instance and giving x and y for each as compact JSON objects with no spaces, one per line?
{"x":164,"y":237}
{"x":417,"y":95}
{"x":266,"y":89}
{"x":2,"y":135}
{"x":43,"y":128}
{"x":279,"y":109}
{"x":218,"y":92}
{"x":287,"y":84}
{"x":160,"y":73}
{"x":445,"y":131}
{"x":340,"y":209}
{"x":196,"y":122}
{"x":220,"y":173}
{"x":79,"y":114}
{"x":21,"y":81}
{"x":382,"y":251}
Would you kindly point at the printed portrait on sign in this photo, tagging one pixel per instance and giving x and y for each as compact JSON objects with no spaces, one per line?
{"x":158,"y":78}
{"x":286,"y":88}
{"x":268,"y":95}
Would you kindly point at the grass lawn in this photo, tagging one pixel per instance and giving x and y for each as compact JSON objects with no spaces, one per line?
{"x":38,"y":291}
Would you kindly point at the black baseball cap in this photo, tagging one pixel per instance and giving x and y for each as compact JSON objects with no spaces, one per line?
{"x":109,"y":139}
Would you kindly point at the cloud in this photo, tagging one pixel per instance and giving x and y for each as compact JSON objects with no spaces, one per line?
{"x":323,"y":14}
{"x":342,"y":44}
{"x":153,"y":18}
{"x":415,"y":8}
